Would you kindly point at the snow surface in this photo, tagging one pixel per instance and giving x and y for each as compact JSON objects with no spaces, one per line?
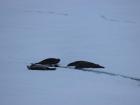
{"x":100,"y":31}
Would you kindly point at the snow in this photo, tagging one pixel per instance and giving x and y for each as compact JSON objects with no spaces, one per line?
{"x":104,"y":32}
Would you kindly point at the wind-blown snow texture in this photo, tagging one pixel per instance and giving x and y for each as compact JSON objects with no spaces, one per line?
{"x":100,"y":31}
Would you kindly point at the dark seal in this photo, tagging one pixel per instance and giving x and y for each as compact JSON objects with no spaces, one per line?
{"x":52,"y":62}
{"x":84,"y":64}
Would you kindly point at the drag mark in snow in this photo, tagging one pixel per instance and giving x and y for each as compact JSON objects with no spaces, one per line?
{"x":112,"y":74}
{"x":47,"y":12}
{"x":105,"y":72}
{"x":116,"y":20}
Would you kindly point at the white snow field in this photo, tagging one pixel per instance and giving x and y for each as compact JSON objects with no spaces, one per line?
{"x":101,"y":31}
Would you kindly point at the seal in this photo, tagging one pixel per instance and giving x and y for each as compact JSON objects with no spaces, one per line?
{"x":84,"y":64}
{"x":39,"y":67}
{"x":52,"y":62}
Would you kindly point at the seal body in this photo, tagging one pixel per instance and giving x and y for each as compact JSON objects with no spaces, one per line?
{"x":39,"y":67}
{"x":84,"y":64}
{"x":53,"y":62}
